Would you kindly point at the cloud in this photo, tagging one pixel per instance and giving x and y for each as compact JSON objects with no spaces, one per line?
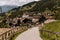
{"x":3,"y":2}
{"x":36,"y":0}
{"x":6,"y":2}
{"x":15,"y":2}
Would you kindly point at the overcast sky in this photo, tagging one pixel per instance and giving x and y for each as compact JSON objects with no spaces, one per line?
{"x":15,"y":2}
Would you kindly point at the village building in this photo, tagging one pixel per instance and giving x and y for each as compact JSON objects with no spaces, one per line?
{"x":25,"y":16}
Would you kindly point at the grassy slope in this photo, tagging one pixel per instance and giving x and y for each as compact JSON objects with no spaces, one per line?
{"x":54,"y":27}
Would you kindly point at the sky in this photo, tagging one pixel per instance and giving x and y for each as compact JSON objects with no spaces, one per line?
{"x":15,"y":2}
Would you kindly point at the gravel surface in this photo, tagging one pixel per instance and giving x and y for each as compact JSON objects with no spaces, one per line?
{"x":30,"y":34}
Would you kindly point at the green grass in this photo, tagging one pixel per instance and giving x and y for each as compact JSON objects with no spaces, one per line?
{"x":16,"y":34}
{"x":54,"y":27}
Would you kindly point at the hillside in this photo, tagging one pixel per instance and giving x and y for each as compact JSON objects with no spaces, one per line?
{"x":53,"y":27}
{"x":39,"y":5}
{"x":36,"y":6}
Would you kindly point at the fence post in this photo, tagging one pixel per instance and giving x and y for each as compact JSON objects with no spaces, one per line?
{"x":43,"y":32}
{"x":48,"y":34}
{"x":3,"y":37}
{"x":56,"y":37}
{"x":0,"y":37}
{"x":7,"y":35}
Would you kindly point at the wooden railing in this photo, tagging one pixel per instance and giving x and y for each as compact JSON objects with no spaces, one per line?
{"x":8,"y":34}
{"x":49,"y":33}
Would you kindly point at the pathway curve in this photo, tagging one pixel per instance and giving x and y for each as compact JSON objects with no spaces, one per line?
{"x":50,"y":20}
{"x":30,"y":34}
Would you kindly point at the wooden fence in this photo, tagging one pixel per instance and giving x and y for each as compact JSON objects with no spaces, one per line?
{"x":7,"y":35}
{"x":49,"y":33}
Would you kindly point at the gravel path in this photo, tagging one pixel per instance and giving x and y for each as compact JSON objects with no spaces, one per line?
{"x":30,"y":34}
{"x":48,"y":21}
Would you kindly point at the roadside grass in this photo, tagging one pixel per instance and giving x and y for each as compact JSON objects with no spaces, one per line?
{"x":16,"y":34}
{"x":53,"y":27}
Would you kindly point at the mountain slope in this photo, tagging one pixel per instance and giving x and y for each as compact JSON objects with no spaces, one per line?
{"x":36,"y":6}
{"x":6,"y":8}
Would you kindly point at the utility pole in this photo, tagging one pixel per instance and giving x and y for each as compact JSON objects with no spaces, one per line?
{"x":0,"y":9}
{"x":57,"y":3}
